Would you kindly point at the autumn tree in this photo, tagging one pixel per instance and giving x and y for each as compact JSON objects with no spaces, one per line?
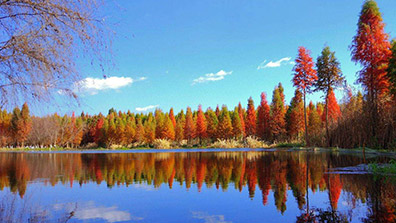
{"x":250,"y":124}
{"x":392,"y":69}
{"x":241,"y":112}
{"x":304,"y":78}
{"x":212,"y":124}
{"x":21,"y":124}
{"x":168,"y":131}
{"x":295,"y":116}
{"x":180,"y":122}
{"x":314,"y":120}
{"x":5,"y":128}
{"x":237,"y":129}
{"x":159,"y":123}
{"x":200,"y":130}
{"x":371,"y":49}
{"x":130,"y":129}
{"x":189,"y":126}
{"x":149,"y":129}
{"x":224,"y":129}
{"x":329,"y":77}
{"x":263,"y":118}
{"x":333,"y":108}
{"x":140,"y":134}
{"x":99,"y":132}
{"x":277,"y":122}
{"x":172,"y":117}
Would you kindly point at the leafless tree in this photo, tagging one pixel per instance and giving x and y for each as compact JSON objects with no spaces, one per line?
{"x":40,"y":41}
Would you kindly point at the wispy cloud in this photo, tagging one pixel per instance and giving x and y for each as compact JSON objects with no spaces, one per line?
{"x":212,"y":77}
{"x":272,"y":64}
{"x":143,"y":109}
{"x":92,"y":85}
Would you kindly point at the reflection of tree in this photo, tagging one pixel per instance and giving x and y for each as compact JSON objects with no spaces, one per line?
{"x":279,"y":186}
{"x":320,"y":215}
{"x":382,"y":201}
{"x":334,"y":188}
{"x":274,"y":172}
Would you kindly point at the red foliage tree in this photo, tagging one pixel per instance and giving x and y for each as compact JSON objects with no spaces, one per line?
{"x":277,"y":122}
{"x":263,"y":118}
{"x":172,"y":117}
{"x":241,"y":113}
{"x":250,"y":124}
{"x":201,"y":124}
{"x":304,"y":78}
{"x":189,"y":127}
{"x":371,"y":48}
{"x":98,"y":133}
{"x":333,"y":108}
{"x":295,"y":116}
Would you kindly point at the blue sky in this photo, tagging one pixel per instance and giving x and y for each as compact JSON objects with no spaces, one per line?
{"x":161,"y":47}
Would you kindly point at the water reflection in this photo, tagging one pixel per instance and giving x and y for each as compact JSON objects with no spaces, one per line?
{"x":261,"y":173}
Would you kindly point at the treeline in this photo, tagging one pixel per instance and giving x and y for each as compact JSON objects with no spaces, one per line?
{"x":268,"y":122}
{"x":363,"y":119}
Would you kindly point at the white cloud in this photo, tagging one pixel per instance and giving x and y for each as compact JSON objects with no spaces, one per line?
{"x":92,"y":85}
{"x":143,"y":109}
{"x":89,"y":211}
{"x":272,"y":64}
{"x":212,"y":77}
{"x":207,"y":218}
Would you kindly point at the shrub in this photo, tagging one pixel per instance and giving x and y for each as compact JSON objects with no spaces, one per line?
{"x":253,"y":142}
{"x":162,"y":144}
{"x":226,"y":144}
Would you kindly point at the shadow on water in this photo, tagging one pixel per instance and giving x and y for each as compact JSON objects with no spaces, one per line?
{"x":280,"y":173}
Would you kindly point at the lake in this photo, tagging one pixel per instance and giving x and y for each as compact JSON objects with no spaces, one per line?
{"x":193,"y":186}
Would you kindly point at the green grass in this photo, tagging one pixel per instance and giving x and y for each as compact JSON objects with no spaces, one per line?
{"x":389,"y":168}
{"x":289,"y":144}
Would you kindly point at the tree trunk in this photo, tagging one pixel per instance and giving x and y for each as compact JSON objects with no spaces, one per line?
{"x":327,"y":120}
{"x":305,"y":120}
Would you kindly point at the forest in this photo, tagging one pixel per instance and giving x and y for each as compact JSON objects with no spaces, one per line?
{"x":364,"y":118}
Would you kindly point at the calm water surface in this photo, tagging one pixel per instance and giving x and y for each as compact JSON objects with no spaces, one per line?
{"x":222,"y":186}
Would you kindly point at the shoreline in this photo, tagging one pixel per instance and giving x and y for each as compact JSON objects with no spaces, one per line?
{"x":199,"y":149}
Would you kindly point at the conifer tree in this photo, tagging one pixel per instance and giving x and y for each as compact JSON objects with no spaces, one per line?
{"x":168,"y":132}
{"x":392,"y":69}
{"x":295,"y":116}
{"x":371,"y":48}
{"x":149,"y":129}
{"x":237,"y":129}
{"x":329,"y":77}
{"x":314,"y":122}
{"x":304,"y":78}
{"x":189,"y":127}
{"x":26,"y":124}
{"x":16,"y":124}
{"x":250,"y":124}
{"x":277,"y":122}
{"x":224,"y":129}
{"x":263,"y":118}
{"x":140,"y":134}
{"x":241,"y":113}
{"x":212,"y":123}
{"x":201,"y":124}
{"x":333,"y":108}
{"x":180,"y":122}
{"x":172,"y":117}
